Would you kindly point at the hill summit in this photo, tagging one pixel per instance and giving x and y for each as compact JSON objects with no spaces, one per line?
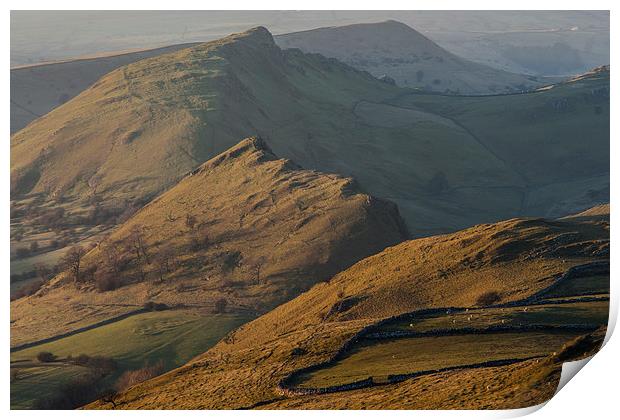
{"x":399,"y":52}
{"x":144,"y":125}
{"x":447,"y":161}
{"x":245,"y":228}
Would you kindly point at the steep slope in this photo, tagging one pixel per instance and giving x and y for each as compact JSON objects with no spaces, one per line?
{"x":515,"y":259}
{"x":141,"y":127}
{"x":245,"y":227}
{"x":400,"y":52}
{"x":37,"y":89}
{"x":178,"y":109}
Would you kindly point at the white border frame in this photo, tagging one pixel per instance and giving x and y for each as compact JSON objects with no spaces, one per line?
{"x":592,"y":394}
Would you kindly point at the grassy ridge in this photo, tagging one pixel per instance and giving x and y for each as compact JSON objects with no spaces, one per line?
{"x":261,"y":230}
{"x":394,"y":49}
{"x":460,"y":162}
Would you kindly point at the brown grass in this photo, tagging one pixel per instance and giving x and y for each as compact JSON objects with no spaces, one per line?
{"x":274,"y":230}
{"x":451,"y":270}
{"x":134,"y":377}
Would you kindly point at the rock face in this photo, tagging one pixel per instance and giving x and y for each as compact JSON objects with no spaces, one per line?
{"x":246,"y":227}
{"x":407,"y":57}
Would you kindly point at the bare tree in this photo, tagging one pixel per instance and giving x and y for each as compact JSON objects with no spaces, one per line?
{"x":488,"y":298}
{"x":199,"y":240}
{"x":232,"y":260}
{"x":107,"y":277}
{"x":72,"y":260}
{"x":165,"y":261}
{"x":132,"y":377}
{"x":43,"y":272}
{"x":138,"y":244}
{"x":257,"y":269}
{"x":46,"y":357}
{"x":34,"y":246}
{"x":106,"y":280}
{"x":109,"y":396}
{"x":190,"y":221}
{"x":112,"y":259}
{"x":220,"y":305}
{"x":94,"y":182}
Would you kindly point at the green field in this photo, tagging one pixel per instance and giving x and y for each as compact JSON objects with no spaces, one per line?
{"x":22,"y":265}
{"x":580,"y":286}
{"x":82,"y":236}
{"x":174,"y":336}
{"x":408,"y":355}
{"x":582,"y":313}
{"x":380,"y":357}
{"x":40,"y":381}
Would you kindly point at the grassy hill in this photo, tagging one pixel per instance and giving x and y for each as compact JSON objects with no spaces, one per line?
{"x":518,"y":260}
{"x":601,"y":211}
{"x":448,"y":162}
{"x":37,"y":89}
{"x":400,"y":52}
{"x":246,"y":228}
{"x":557,"y":141}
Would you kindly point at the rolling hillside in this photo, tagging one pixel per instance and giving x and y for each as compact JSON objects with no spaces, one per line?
{"x":447,"y":162}
{"x":243,"y":233}
{"x":401,"y":53}
{"x":377,"y":48}
{"x":555,"y":139}
{"x":519,"y":260}
{"x":322,"y":260}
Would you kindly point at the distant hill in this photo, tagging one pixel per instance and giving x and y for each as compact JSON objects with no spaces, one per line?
{"x":399,"y":52}
{"x":448,"y":162}
{"x":515,"y":259}
{"x":37,"y":89}
{"x":601,"y":212}
{"x":246,"y":227}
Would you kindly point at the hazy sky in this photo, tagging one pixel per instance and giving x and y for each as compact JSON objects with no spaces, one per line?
{"x":51,"y":35}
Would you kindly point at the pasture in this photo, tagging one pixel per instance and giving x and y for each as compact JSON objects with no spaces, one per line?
{"x":378,"y":359}
{"x":173,"y":336}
